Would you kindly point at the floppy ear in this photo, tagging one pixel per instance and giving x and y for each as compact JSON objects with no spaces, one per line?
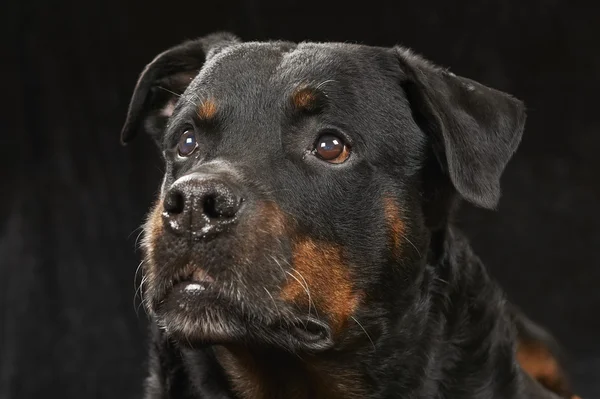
{"x":164,"y":80}
{"x":474,"y":129}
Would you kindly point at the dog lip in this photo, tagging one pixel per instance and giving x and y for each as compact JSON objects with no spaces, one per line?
{"x":198,"y":282}
{"x":194,"y":282}
{"x":313,"y":334}
{"x":200,"y":276}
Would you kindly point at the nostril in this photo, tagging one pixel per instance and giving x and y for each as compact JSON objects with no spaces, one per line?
{"x":218,"y":206}
{"x":174,"y":202}
{"x":210,"y":207}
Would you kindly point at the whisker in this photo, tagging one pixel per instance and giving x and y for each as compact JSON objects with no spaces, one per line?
{"x":136,"y":287}
{"x":134,"y":230}
{"x":169,"y":91}
{"x":140,"y":290}
{"x":324,"y":83}
{"x":278,"y":191}
{"x":368,"y":336}
{"x":278,"y":264}
{"x":137,"y":239}
{"x":413,"y":245}
{"x":310,"y":301}
{"x":307,"y":289}
{"x":181,"y":96}
{"x":137,"y":270}
{"x":274,"y":304}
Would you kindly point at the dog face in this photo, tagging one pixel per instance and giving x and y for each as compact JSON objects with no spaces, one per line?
{"x":303,"y":183}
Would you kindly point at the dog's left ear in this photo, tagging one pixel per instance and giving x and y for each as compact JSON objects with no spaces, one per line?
{"x":163,"y":81}
{"x":474,"y":129}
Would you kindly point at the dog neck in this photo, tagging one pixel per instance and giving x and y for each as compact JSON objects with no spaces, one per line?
{"x":269,"y":373}
{"x":471,"y":339}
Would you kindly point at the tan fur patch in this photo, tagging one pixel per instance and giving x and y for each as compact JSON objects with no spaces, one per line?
{"x":395,"y":225}
{"x":261,"y":375}
{"x":153,"y":229}
{"x":305,"y":99}
{"x":242,"y":370}
{"x":272,"y":219}
{"x":319,"y":269}
{"x":262,"y":235}
{"x":207,"y":110}
{"x":539,"y":363}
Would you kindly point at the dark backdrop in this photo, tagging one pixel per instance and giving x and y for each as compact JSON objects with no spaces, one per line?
{"x":72,"y":198}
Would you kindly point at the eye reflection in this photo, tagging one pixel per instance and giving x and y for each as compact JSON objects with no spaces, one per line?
{"x":332,"y":149}
{"x":187,"y":143}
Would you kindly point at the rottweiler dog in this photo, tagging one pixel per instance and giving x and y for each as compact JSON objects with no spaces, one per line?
{"x":302,"y":244}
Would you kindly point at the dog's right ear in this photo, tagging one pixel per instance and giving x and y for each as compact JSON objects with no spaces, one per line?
{"x":473,"y":129}
{"x":164,"y":80}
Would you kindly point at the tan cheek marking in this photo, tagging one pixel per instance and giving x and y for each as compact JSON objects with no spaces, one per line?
{"x":153,"y":229}
{"x":395,"y":225}
{"x":319,"y":268}
{"x":305,"y":99}
{"x":154,"y":226}
{"x":272,"y":218}
{"x":540,"y":364}
{"x":263,"y":233}
{"x":207,"y":110}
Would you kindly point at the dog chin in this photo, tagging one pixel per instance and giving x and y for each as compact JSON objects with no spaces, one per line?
{"x":194,"y":315}
{"x":191,"y":318}
{"x":194,"y":330}
{"x":219,"y":326}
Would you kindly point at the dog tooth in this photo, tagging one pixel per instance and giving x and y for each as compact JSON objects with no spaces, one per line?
{"x":194,"y":287}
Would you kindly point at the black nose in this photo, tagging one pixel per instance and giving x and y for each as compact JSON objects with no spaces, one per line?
{"x":200,"y":205}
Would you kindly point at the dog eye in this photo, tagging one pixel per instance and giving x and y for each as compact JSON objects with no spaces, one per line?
{"x":187,"y":143}
{"x":332,"y":149}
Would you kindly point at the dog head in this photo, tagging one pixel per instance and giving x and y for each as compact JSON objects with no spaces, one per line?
{"x":303,"y":184}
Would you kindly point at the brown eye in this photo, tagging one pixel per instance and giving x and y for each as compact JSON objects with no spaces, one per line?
{"x":332,"y":149}
{"x":187,"y":143}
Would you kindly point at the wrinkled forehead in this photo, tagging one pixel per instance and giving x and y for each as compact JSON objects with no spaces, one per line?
{"x":270,"y":70}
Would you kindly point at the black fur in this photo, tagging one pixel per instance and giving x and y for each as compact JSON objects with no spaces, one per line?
{"x":433,"y":324}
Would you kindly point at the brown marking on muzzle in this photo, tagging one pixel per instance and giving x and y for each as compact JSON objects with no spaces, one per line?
{"x":153,"y":229}
{"x":537,"y":361}
{"x":271,"y":219}
{"x":207,"y":110}
{"x":319,"y":269}
{"x":395,"y":225}
{"x":262,"y":233}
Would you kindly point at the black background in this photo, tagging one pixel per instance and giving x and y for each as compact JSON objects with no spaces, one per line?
{"x":72,"y":197}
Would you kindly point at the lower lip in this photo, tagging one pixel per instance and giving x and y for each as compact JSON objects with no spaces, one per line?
{"x":198,"y":282}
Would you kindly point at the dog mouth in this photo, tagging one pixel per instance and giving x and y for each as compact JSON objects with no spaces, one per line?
{"x":188,"y":290}
{"x":193,"y":283}
{"x":198,"y":309}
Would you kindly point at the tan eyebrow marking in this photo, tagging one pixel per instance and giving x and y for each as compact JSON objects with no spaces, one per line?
{"x":207,"y":109}
{"x":307,"y":99}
